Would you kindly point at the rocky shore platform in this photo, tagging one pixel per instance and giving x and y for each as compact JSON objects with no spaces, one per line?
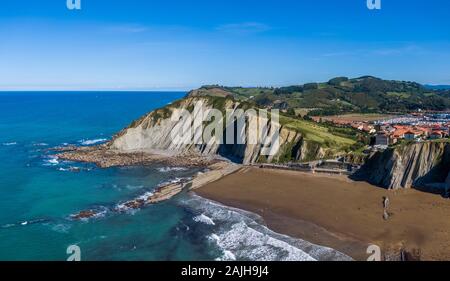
{"x":104,"y":157}
{"x":162,"y":193}
{"x":165,"y":192}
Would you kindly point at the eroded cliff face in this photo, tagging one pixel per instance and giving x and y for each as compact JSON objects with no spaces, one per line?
{"x":420,"y":165}
{"x":153,"y":133}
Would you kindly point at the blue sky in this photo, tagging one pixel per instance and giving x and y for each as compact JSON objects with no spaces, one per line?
{"x":172,"y":44}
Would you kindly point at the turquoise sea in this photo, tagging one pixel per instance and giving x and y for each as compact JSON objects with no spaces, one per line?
{"x":38,"y":193}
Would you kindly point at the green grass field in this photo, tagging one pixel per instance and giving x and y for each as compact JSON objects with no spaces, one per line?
{"x":317,"y":133}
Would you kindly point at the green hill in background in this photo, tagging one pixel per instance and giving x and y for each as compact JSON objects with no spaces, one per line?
{"x":340,"y":95}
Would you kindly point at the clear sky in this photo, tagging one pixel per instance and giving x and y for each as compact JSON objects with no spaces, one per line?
{"x":175,"y":44}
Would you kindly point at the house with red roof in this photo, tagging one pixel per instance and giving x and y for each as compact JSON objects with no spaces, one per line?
{"x":436,"y":135}
{"x":410,"y":135}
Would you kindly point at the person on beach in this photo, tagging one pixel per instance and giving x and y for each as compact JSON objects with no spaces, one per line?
{"x":385,"y":202}
{"x":385,"y":208}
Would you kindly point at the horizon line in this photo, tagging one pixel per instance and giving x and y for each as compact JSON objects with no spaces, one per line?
{"x":94,"y":90}
{"x":186,"y":89}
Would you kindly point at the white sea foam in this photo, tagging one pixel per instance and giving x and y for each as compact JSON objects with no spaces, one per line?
{"x":91,"y":142}
{"x":214,"y":237}
{"x":121,"y":207}
{"x":61,"y":228}
{"x":100,"y":212}
{"x":24,"y":223}
{"x":242,"y":235}
{"x":146,"y":196}
{"x":9,"y":143}
{"x":227,"y":256}
{"x":133,"y":187}
{"x":258,"y":246}
{"x":171,"y":169}
{"x":173,"y":181}
{"x":51,"y":161}
{"x":40,"y":144}
{"x":73,"y":169}
{"x":8,"y":225}
{"x":204,"y":219}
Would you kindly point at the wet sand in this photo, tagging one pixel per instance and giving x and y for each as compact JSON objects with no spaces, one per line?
{"x":336,"y":212}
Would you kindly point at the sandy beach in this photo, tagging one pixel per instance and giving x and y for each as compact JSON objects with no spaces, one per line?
{"x":337,"y":212}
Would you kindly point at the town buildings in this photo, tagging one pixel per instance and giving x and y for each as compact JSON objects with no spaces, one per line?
{"x":414,"y":127}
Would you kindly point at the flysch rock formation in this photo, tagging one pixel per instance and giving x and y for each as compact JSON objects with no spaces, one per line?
{"x":153,"y":133}
{"x":423,"y":165}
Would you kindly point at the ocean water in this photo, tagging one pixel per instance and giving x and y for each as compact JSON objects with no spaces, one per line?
{"x":38,"y":193}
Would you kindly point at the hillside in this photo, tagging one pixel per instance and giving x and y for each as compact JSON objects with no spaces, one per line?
{"x":342,"y":95}
{"x":300,"y":140}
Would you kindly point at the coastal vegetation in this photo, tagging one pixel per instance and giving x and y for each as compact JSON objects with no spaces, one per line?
{"x":342,"y":95}
{"x":327,"y":135}
{"x":301,"y":139}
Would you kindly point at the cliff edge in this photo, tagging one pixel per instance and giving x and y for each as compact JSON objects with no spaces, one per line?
{"x":299,"y":140}
{"x":424,"y":166}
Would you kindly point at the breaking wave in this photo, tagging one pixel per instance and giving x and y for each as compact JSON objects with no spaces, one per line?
{"x":171,"y":169}
{"x":51,"y":160}
{"x":40,"y":144}
{"x":204,"y":219}
{"x":242,"y":235}
{"x":173,"y":181}
{"x":92,"y":142}
{"x":25,"y":223}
